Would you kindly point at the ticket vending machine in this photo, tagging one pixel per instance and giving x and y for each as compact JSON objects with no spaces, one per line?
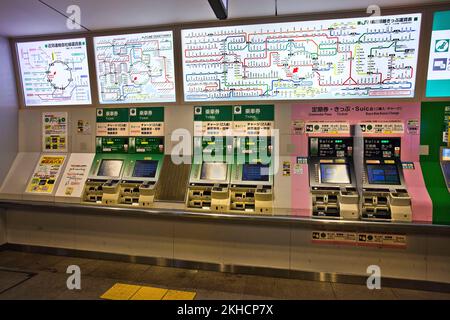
{"x":209,"y":179}
{"x":445,"y":164}
{"x":139,"y":180}
{"x":251,"y":189}
{"x":209,"y":186}
{"x":332,"y":178}
{"x":384,"y":193}
{"x":103,"y":183}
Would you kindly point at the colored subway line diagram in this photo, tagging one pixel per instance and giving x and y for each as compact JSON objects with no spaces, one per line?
{"x":135,"y":68}
{"x":54,"y":72}
{"x":370,"y":57}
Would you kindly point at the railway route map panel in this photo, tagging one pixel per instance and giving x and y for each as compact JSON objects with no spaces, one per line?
{"x":368,"y":57}
{"x":54,"y":72}
{"x":135,"y":68}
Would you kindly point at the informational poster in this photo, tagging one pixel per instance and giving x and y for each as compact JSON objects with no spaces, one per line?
{"x":75,"y":175}
{"x":446,"y":129}
{"x":46,"y":174}
{"x":438,"y":81}
{"x":54,"y":131}
{"x":367,"y":57}
{"x":135,"y":68}
{"x":54,"y":72}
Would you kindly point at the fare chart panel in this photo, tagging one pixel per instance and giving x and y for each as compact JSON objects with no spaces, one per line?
{"x":369,"y":57}
{"x":54,"y":72}
{"x":135,"y":68}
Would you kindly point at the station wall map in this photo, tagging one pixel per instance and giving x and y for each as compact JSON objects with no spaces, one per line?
{"x":135,"y":68}
{"x":54,"y":72}
{"x":369,"y":57}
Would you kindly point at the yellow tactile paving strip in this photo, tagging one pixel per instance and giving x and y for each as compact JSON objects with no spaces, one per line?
{"x":179,"y":295}
{"x":149,"y":293}
{"x":121,"y":291}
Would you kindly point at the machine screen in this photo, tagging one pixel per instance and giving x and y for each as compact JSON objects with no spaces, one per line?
{"x":446,"y":168}
{"x":255,"y":172}
{"x":214,"y":171}
{"x":383,"y":174}
{"x":145,"y":168}
{"x":446,"y":154}
{"x":334,"y":173}
{"x":110,"y":168}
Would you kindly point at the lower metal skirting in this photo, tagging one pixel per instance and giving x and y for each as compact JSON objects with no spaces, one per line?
{"x":238,"y":269}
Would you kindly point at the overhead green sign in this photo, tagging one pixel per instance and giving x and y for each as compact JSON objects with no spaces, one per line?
{"x":147,"y":114}
{"x":112,"y":115}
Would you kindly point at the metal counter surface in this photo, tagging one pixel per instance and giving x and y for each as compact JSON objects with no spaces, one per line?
{"x":286,"y":217}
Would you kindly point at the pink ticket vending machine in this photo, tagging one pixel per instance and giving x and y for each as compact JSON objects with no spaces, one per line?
{"x":332,"y":178}
{"x":384,"y":192}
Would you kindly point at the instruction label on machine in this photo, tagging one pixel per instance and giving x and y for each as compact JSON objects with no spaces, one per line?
{"x":253,"y":120}
{"x":45,"y":174}
{"x":213,"y":121}
{"x":380,"y":240}
{"x":394,"y":127}
{"x":147,"y":122}
{"x":338,"y":127}
{"x":54,"y":131}
{"x":112,"y":122}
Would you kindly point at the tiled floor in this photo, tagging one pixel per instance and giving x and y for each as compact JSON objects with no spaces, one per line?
{"x":49,"y":281}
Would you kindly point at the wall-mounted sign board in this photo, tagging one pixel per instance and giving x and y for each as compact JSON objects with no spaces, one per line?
{"x":54,"y":72}
{"x":135,"y":68}
{"x":438,"y":81}
{"x":367,"y":57}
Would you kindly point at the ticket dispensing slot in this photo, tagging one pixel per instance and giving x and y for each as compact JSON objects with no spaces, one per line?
{"x":102,"y":186}
{"x":384,"y":195}
{"x":139,"y":181}
{"x":332,"y":178}
{"x":209,"y":187}
{"x":445,"y":165}
{"x":251,"y":188}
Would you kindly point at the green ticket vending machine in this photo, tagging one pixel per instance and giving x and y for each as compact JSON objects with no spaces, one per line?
{"x":435,"y":156}
{"x":211,"y":169}
{"x":251,"y":189}
{"x":145,"y":159}
{"x":112,"y":147}
{"x":102,"y":185}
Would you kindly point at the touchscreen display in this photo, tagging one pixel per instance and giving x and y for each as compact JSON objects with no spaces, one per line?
{"x":145,"y":168}
{"x":334,"y":173}
{"x":383,"y":174}
{"x":214,"y":171}
{"x":110,"y":168}
{"x":255,"y":172}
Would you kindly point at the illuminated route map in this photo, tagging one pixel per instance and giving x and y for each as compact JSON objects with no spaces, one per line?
{"x":369,"y":57}
{"x":54,"y":72}
{"x":135,"y":68}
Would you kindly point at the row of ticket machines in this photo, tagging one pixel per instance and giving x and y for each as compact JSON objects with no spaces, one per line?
{"x":372,"y":189}
{"x":343,"y":185}
{"x":133,"y":180}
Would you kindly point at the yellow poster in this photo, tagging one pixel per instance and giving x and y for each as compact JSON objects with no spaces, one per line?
{"x":45,"y":174}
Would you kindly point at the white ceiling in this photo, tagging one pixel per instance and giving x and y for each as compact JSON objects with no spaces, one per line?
{"x":30,"y":17}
